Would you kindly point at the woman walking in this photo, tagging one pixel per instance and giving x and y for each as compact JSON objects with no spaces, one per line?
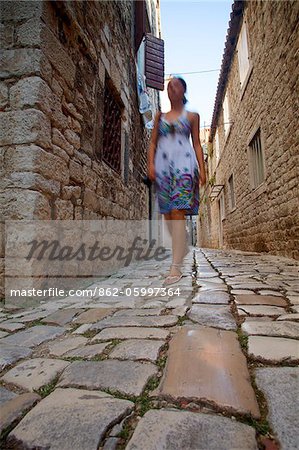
{"x":177,"y":168}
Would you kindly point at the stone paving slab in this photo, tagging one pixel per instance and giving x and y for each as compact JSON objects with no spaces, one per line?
{"x":87,"y":352}
{"x":127,"y":377}
{"x":175,"y":303}
{"x":11,"y":326}
{"x":125,"y":304}
{"x":241,"y":292}
{"x":62,"y":346}
{"x":203,"y":287}
{"x":136,"y":349}
{"x":271,"y":328}
{"x":294,"y":316}
{"x":82,"y":329}
{"x":98,"y":305}
{"x":14,"y":409}
{"x":294,"y":299}
{"x":273,"y":348}
{"x":138,"y":312}
{"x":154,"y":304}
{"x":260,"y":300}
{"x":33,"y":336}
{"x":269,"y":292}
{"x":29,"y":316}
{"x":130,"y":333}
{"x":247,"y":284}
{"x":208,"y":364}
{"x":250,"y":286}
{"x":61,"y":317}
{"x":6,"y":395}
{"x":169,"y":429}
{"x":213,"y":316}
{"x":211,"y":297}
{"x":111,"y":443}
{"x":34,"y":373}
{"x":179,"y":311}
{"x":69,"y":419}
{"x":9,"y":354}
{"x":3,"y":334}
{"x":123,"y":321}
{"x":207,"y":274}
{"x":260,"y":310}
{"x":279,"y":384}
{"x":3,"y":316}
{"x":213,"y":282}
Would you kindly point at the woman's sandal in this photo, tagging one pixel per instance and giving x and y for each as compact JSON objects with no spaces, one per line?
{"x":171,"y":279}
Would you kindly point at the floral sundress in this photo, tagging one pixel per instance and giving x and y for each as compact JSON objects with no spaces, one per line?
{"x":176,"y":167}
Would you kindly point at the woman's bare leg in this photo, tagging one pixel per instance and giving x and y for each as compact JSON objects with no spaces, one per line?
{"x":168,"y":221}
{"x":178,"y":224}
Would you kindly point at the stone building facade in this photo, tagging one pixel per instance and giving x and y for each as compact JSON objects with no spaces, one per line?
{"x":67,"y":89}
{"x":251,"y":197}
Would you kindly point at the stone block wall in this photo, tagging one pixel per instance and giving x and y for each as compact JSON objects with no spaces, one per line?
{"x":265,"y":219}
{"x":53,"y":64}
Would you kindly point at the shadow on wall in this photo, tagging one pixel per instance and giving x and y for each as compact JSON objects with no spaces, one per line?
{"x":260,"y":245}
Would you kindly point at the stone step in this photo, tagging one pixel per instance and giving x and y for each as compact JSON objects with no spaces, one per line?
{"x":280,"y":386}
{"x":207,"y":364}
{"x":255,"y":299}
{"x":218,"y":316}
{"x":137,"y":321}
{"x":127,"y":377}
{"x":176,"y":430}
{"x":74,"y":419}
{"x":271,"y":328}
{"x":273,"y":348}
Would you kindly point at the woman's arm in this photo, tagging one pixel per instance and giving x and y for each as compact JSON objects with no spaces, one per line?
{"x":197,"y":145}
{"x":153,"y":140}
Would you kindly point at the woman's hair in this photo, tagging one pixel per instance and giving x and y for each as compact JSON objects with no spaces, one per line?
{"x":184,"y":84}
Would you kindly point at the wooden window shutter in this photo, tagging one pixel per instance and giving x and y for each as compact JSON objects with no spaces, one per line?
{"x":154,"y":62}
{"x":140,"y":12}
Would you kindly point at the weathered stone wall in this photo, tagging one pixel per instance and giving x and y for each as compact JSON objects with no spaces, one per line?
{"x":265,"y":219}
{"x":53,"y":65}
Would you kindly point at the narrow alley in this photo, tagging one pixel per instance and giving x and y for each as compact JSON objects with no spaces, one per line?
{"x":134,"y":127}
{"x":203,"y":370}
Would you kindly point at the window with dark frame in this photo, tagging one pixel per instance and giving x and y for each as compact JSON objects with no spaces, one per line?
{"x":257,"y":159}
{"x":112,"y":127}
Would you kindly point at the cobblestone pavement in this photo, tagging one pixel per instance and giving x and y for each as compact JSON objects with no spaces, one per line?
{"x":215,"y":367}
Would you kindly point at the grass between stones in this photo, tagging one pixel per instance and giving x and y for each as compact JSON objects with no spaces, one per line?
{"x":45,"y":390}
{"x":126,"y":431}
{"x":243,"y":340}
{"x":182,"y":319}
{"x":143,"y":403}
{"x":261,"y":425}
{"x":74,"y":326}
{"x":34,"y":323}
{"x":90,"y":333}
